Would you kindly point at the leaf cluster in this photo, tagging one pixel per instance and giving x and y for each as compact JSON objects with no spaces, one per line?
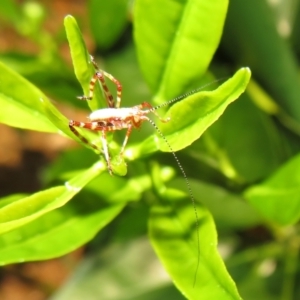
{"x":242,"y":171}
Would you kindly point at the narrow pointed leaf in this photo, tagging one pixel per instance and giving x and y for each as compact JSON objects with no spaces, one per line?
{"x":192,"y":116}
{"x":83,"y":67}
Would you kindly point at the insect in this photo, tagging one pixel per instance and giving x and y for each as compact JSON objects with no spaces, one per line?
{"x":117,"y":118}
{"x":112,"y":118}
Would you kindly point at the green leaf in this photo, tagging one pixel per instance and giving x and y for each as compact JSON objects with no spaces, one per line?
{"x":173,"y":236}
{"x":193,"y":115}
{"x":30,"y":208}
{"x":83,"y":67}
{"x":24,"y":106}
{"x":176,"y":45}
{"x":49,"y":235}
{"x":278,"y":198}
{"x":85,"y":70}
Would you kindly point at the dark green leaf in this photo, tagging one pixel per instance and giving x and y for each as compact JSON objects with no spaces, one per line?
{"x":108,"y":20}
{"x":251,"y":37}
{"x":278,"y":198}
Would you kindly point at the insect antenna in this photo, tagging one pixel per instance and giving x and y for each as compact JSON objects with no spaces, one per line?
{"x":152,"y":109}
{"x":181,"y":97}
{"x":189,"y":192}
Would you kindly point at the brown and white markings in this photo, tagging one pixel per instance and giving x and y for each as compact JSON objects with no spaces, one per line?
{"x":117,"y":118}
{"x":114,"y":117}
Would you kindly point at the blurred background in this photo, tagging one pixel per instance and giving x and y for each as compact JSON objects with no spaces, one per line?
{"x":258,"y":133}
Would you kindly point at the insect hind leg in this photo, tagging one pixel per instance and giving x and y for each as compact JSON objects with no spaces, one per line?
{"x":90,"y":125}
{"x":73,"y":124}
{"x":99,"y":75}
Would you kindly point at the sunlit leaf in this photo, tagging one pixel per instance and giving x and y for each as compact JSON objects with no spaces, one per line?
{"x":27,"y":209}
{"x":173,"y":235}
{"x":176,"y":45}
{"x":191,"y":116}
{"x":83,"y":67}
{"x":23,"y":105}
{"x":83,"y":217}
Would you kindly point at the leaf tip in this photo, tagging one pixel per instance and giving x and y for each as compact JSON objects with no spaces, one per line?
{"x":68,"y":19}
{"x":247,"y":70}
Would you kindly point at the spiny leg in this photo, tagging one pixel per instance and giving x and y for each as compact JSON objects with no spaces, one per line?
{"x":73,"y":124}
{"x":118,"y":86}
{"x":92,"y":126}
{"x":113,"y":80}
{"x":99,"y":75}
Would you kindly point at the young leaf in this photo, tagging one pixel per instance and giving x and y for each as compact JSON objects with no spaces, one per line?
{"x":83,"y":67}
{"x":278,"y":198}
{"x":176,"y":45}
{"x":192,"y":116}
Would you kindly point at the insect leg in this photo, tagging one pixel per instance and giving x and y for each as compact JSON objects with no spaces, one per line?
{"x":73,"y":124}
{"x":105,"y":151}
{"x":118,"y":86}
{"x":93,"y":126}
{"x":99,"y":75}
{"x":126,"y":139}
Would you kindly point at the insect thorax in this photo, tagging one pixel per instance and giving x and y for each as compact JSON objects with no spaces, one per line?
{"x":113,"y":113}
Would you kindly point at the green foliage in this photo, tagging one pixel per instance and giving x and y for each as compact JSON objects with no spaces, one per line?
{"x":175,"y":63}
{"x":241,"y":159}
{"x":270,"y":196}
{"x":101,"y":12}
